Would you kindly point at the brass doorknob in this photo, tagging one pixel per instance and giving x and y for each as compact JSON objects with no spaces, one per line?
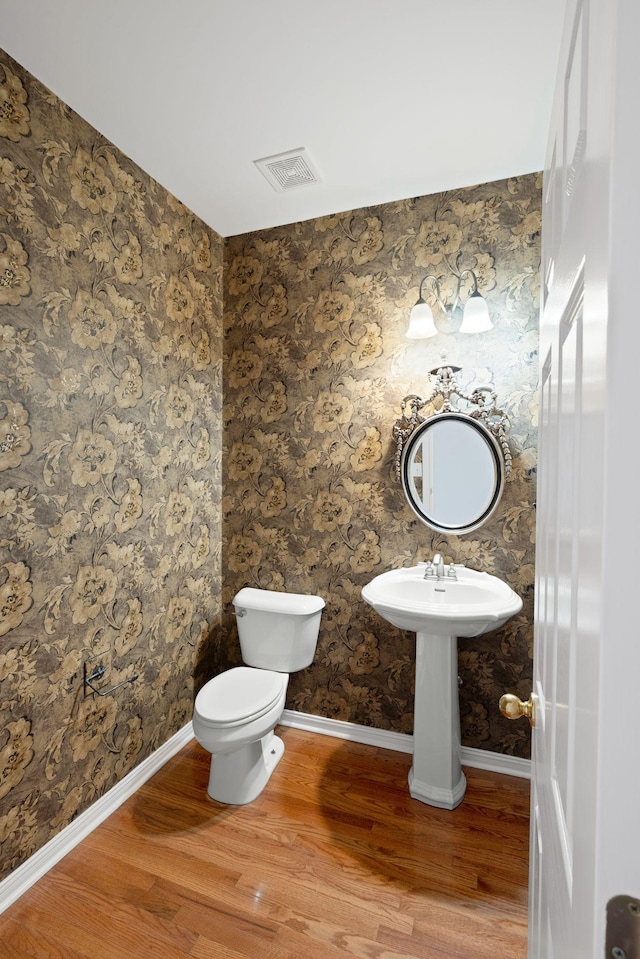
{"x":514,"y":708}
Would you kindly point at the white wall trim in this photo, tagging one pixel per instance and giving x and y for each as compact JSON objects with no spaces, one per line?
{"x":45,"y":858}
{"x":400,"y":742}
{"x":52,"y":852}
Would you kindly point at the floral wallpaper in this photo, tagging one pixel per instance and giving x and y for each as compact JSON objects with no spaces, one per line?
{"x":133,"y":505}
{"x":316,"y":366}
{"x":110,"y":450}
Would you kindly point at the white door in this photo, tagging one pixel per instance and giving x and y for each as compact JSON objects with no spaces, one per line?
{"x":585,"y":822}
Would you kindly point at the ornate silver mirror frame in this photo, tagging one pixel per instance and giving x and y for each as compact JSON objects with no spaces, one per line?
{"x":453,"y":475}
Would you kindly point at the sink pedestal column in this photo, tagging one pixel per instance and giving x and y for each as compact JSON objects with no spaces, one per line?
{"x":436,"y":775}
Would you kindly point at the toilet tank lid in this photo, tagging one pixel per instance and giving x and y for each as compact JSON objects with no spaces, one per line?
{"x":272,"y":601}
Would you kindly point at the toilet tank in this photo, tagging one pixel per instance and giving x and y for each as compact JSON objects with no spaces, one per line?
{"x":277,"y":630}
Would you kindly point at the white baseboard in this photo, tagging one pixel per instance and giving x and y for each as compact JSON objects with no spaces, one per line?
{"x":400,"y":742}
{"x":52,"y":852}
{"x":45,"y":858}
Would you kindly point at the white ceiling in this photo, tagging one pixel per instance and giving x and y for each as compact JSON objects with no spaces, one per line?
{"x":392,"y":98}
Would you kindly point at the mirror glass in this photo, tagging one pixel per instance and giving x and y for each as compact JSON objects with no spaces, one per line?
{"x":452,"y":472}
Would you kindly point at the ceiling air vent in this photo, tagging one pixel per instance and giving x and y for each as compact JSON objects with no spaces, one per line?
{"x":284,"y":171}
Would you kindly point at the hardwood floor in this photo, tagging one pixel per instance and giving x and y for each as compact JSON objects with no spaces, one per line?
{"x":334,"y":859}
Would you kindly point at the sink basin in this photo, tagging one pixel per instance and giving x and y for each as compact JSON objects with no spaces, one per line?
{"x":470,"y":605}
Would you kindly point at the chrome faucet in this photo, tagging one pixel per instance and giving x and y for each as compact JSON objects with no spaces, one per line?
{"x":436,"y":569}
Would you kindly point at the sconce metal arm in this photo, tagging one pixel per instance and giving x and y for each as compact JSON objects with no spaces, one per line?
{"x":456,"y":300}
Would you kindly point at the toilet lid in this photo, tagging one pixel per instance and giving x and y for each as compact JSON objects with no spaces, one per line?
{"x":239,"y":695}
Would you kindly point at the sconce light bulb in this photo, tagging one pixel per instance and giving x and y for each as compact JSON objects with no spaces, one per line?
{"x":475,"y":317}
{"x":421,"y":322}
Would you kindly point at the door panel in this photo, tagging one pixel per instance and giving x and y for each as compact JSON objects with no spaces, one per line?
{"x":586,"y":780}
{"x":575,"y":107}
{"x":567,"y":573}
{"x":557,"y":575}
{"x":558,"y":756}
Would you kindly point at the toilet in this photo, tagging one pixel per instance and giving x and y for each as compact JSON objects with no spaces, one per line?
{"x":235,"y":713}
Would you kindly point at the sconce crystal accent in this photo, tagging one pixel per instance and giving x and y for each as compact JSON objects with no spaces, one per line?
{"x":475,"y":316}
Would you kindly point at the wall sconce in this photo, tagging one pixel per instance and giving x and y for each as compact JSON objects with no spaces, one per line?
{"x":475,"y":316}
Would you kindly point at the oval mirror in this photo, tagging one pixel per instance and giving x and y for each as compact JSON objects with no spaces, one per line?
{"x":453,"y":472}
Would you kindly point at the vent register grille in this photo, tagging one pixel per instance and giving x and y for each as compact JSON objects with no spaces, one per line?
{"x":286,"y":171}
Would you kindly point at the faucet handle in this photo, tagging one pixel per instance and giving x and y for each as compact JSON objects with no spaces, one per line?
{"x":428,"y":569}
{"x":451,"y":572}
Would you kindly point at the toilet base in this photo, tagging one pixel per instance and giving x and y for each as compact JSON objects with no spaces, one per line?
{"x":238,"y":777}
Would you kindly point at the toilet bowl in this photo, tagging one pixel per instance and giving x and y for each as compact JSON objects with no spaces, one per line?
{"x":234,"y":717}
{"x":235,"y":713}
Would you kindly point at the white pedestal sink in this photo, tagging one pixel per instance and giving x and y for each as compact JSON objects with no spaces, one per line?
{"x":438,"y":611}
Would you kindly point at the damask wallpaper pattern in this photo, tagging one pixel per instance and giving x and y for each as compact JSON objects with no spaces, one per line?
{"x":110,"y":449}
{"x":112,"y":497}
{"x":316,"y":366}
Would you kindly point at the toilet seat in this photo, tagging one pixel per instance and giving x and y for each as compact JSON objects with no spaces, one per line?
{"x":239,"y":696}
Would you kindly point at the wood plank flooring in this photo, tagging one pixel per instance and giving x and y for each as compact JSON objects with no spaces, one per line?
{"x":333,"y":860}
